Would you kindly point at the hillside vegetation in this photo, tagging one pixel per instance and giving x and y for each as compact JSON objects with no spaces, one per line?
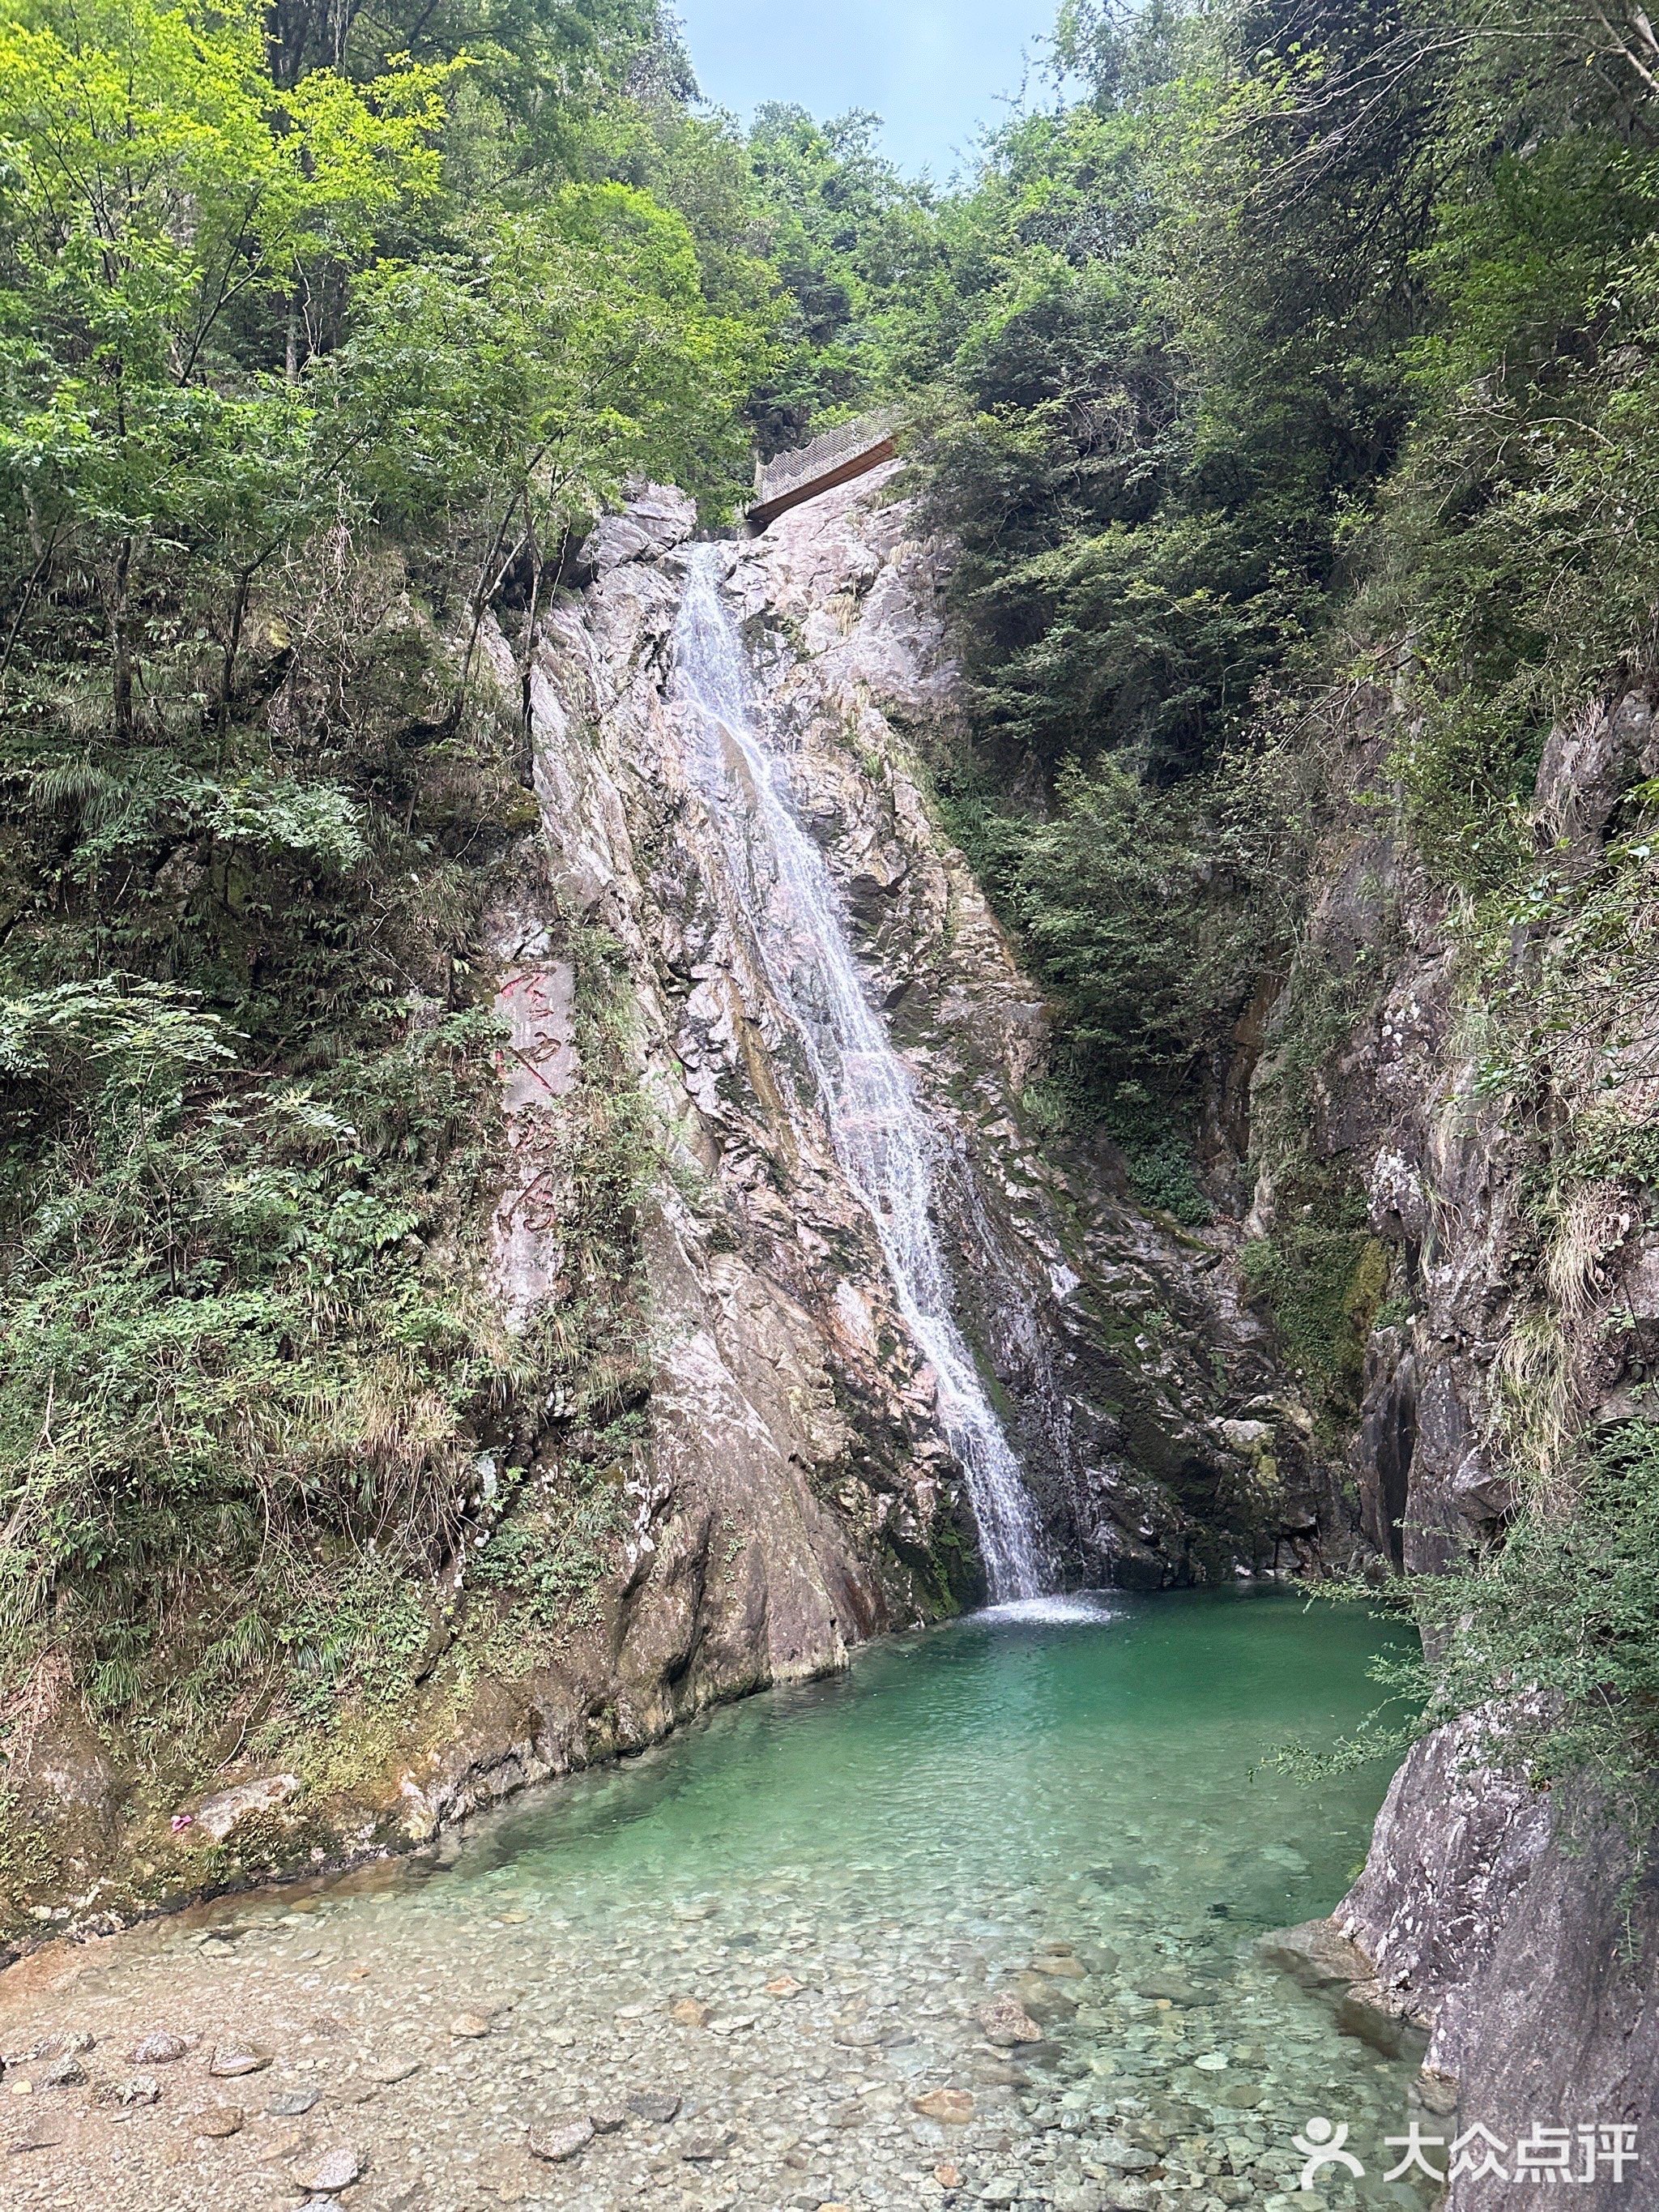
{"x":323,"y":337}
{"x":1275,"y":355}
{"x":1292,"y":387}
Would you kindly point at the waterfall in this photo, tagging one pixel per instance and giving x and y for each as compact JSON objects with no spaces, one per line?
{"x":883,"y":1139}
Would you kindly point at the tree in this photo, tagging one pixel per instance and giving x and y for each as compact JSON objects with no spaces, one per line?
{"x":155,"y":186}
{"x":518,"y":387}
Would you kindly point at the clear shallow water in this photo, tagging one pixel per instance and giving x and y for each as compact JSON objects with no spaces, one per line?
{"x":1062,"y":1780}
{"x":1015,"y":1757}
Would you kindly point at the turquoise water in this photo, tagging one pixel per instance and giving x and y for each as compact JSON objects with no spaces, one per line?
{"x":1095,"y":1749}
{"x":791,"y":1931}
{"x":1081,"y":1773}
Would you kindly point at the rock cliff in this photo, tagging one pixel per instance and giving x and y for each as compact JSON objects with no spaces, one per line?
{"x":790,"y":1491}
{"x":739,"y":1470}
{"x":794,"y":1493}
{"x":1133,"y":1379}
{"x":1476,"y":1099}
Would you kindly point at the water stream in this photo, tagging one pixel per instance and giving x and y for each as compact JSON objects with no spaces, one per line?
{"x":888,"y":1148}
{"x":767,"y":1948}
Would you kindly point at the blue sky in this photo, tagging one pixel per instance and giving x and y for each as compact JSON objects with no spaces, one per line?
{"x":931,"y":69}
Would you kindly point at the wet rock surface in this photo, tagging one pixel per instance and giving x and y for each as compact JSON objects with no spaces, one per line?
{"x":1486,"y":1915}
{"x":1522,"y":1948}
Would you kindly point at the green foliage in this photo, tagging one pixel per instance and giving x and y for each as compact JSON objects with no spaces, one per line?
{"x":217,"y":1320}
{"x":1149,"y":913}
{"x":1519,"y":534}
{"x":313,"y":354}
{"x":1323,"y":1275}
{"x":352,"y":1627}
{"x":855,"y":248}
{"x":1162,"y":400}
{"x":550,"y":1552}
{"x":1555,"y":1631}
{"x":1162,"y":1171}
{"x":1157,"y":1150}
{"x":1295,"y":312}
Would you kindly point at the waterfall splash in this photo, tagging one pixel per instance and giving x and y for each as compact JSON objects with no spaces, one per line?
{"x":881,"y":1134}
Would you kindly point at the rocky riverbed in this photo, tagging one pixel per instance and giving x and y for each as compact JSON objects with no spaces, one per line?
{"x":893,"y":1943}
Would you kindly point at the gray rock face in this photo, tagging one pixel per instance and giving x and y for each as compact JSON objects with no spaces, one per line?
{"x":1506,"y":1920}
{"x":217,"y":1815}
{"x":794,"y":1493}
{"x":1497,"y":1915}
{"x":659,"y":516}
{"x":1317,"y":1953}
{"x":1094,"y":1320}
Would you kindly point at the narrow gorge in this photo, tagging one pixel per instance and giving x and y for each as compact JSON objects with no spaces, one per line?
{"x":832,"y":1220}
{"x":879,"y":1350}
{"x":828,"y":1062}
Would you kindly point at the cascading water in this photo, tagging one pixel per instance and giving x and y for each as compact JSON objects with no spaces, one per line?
{"x":882,"y":1138}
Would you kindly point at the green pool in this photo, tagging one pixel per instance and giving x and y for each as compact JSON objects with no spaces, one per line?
{"x":975,"y":1924}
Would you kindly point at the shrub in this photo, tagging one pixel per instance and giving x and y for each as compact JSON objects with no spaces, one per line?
{"x":1557,"y":1624}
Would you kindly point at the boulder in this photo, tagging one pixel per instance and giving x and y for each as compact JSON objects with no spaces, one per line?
{"x":1317,"y":1953}
{"x":213,"y":1819}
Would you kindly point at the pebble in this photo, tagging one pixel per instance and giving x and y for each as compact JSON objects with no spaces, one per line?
{"x":1171,"y":1989}
{"x":658,"y":2106}
{"x":919,"y":2109}
{"x":333,"y":2171}
{"x":290,"y":2104}
{"x":1127,"y":2158}
{"x":954,"y":2108}
{"x":1006,"y":2022}
{"x":469,"y":2026}
{"x":231,"y":2060}
{"x":390,"y":2071}
{"x":64,"y":2073}
{"x":73,"y":2044}
{"x":159,"y":2049}
{"x":566,"y":2140}
{"x":136,"y":2089}
{"x":223,"y":2120}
